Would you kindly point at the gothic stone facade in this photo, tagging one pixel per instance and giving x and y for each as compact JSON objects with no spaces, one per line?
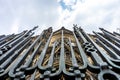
{"x":60,"y":55}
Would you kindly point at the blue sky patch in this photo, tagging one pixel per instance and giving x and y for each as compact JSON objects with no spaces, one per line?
{"x":68,"y":7}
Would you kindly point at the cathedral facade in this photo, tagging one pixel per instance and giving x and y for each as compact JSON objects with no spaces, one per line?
{"x":60,"y":55}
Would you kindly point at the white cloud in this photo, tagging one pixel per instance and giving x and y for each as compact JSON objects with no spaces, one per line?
{"x":92,"y":14}
{"x":69,"y":2}
{"x":28,"y":13}
{"x":15,"y":26}
{"x":19,"y":15}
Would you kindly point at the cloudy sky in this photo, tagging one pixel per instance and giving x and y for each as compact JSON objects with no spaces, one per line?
{"x":19,"y":15}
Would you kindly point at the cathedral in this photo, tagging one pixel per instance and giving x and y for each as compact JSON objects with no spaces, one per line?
{"x":60,"y":55}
